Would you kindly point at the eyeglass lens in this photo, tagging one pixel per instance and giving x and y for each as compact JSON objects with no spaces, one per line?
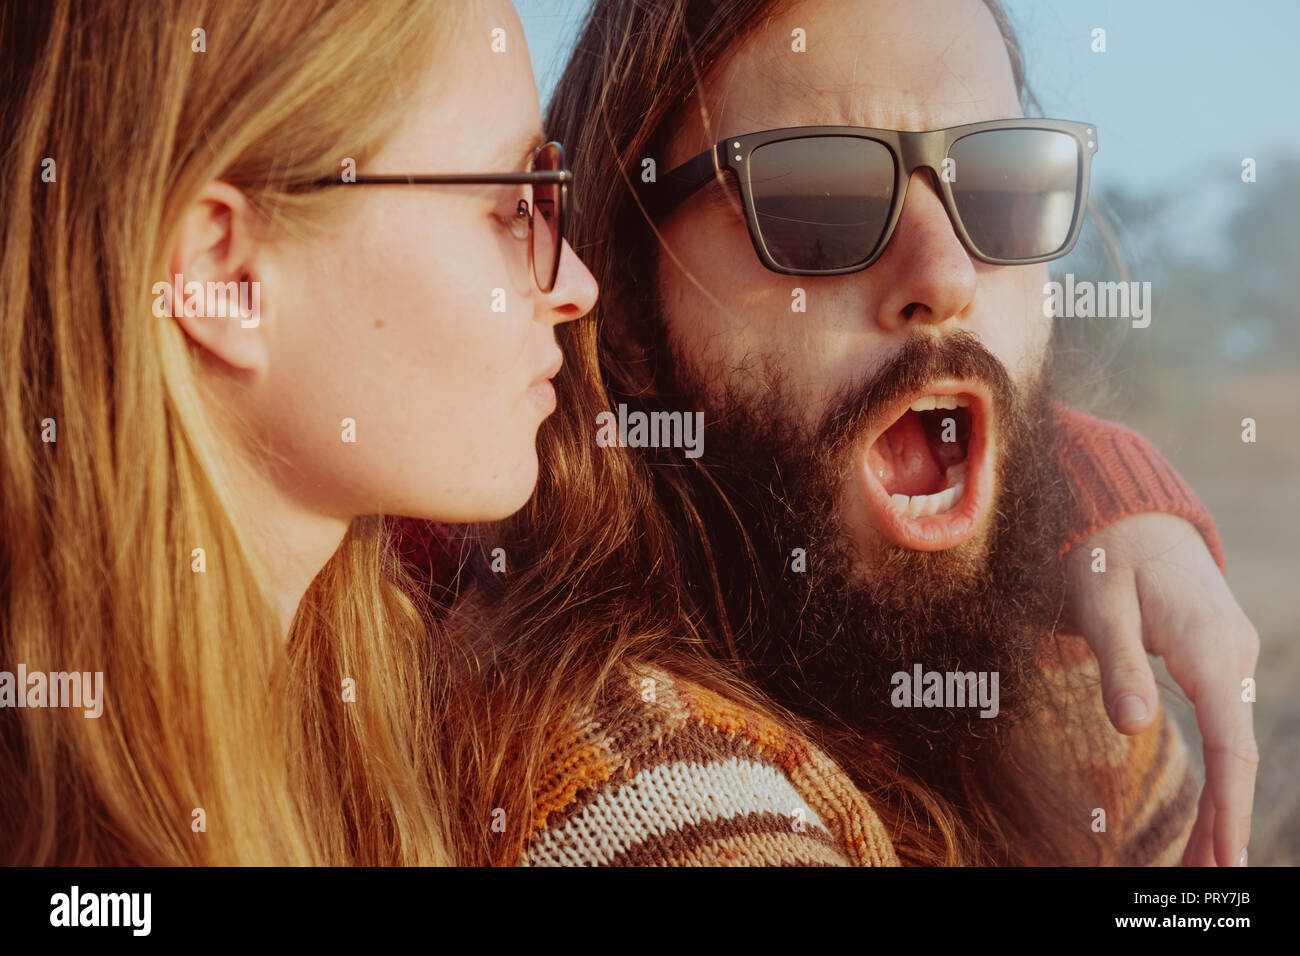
{"x":546,"y":220}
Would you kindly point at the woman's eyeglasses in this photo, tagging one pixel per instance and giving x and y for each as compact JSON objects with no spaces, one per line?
{"x":549,"y":178}
{"x":824,"y":200}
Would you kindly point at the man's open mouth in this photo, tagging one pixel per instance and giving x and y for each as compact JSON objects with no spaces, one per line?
{"x":927,"y":472}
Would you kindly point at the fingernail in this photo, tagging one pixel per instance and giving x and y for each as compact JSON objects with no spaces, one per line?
{"x":1243,"y":857}
{"x":1130,"y":709}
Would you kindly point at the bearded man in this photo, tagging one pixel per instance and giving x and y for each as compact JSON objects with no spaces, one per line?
{"x":826,"y":224}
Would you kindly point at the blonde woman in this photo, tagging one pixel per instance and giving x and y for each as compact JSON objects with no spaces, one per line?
{"x":218,"y":373}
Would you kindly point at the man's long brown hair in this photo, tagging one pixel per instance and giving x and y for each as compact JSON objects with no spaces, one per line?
{"x":595,"y":562}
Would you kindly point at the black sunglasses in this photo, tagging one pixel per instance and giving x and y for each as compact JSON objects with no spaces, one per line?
{"x":549,"y":178}
{"x":824,"y":200}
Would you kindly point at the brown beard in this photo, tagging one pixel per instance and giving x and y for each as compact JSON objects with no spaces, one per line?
{"x":824,"y":643}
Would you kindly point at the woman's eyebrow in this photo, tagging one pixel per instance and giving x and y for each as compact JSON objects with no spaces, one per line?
{"x":520,"y":150}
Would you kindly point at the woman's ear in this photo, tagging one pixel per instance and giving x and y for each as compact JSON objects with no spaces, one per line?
{"x":213,"y":290}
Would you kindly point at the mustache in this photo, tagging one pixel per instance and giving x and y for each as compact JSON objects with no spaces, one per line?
{"x":920,"y":360}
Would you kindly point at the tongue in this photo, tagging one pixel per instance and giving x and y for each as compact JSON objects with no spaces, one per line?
{"x":903,"y":461}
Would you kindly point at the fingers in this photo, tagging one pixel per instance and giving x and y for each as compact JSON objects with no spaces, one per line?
{"x":1200,"y":846}
{"x":1111,"y":621}
{"x":1230,"y":776}
{"x":1227,"y":729}
{"x":1231,"y":761}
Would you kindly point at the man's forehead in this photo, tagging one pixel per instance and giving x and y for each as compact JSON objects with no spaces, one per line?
{"x":861,"y":68}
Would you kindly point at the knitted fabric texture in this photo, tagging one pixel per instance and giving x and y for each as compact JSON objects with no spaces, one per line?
{"x":1113,"y":472}
{"x":696,"y":780}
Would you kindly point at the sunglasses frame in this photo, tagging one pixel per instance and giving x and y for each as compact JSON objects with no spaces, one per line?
{"x":545,"y":177}
{"x":910,"y":150}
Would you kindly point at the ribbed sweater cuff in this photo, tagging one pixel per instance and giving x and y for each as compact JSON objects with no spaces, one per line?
{"x":1114,"y":472}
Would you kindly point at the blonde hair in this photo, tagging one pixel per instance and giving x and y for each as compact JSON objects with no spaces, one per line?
{"x":206,"y":706}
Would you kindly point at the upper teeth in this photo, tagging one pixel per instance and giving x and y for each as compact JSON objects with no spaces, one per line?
{"x":929,"y":403}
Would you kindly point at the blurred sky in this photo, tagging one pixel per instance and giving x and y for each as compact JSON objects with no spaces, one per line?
{"x":1186,"y":89}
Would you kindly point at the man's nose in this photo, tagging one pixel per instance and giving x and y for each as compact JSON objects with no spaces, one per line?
{"x":925,"y":272}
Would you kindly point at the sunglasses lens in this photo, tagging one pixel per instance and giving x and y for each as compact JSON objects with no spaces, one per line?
{"x":546,"y":219}
{"x":821,"y":202}
{"x":1016,"y":190}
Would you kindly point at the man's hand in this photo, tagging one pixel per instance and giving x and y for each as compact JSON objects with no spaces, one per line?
{"x":1162,"y":592}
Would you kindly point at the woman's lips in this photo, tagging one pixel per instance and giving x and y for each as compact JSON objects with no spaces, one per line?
{"x":540,"y":390}
{"x":957,"y":510}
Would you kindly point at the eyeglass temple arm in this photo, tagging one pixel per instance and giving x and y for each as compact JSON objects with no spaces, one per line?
{"x":673,"y":188}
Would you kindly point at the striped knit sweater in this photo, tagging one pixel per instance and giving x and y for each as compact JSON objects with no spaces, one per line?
{"x":696,"y":780}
